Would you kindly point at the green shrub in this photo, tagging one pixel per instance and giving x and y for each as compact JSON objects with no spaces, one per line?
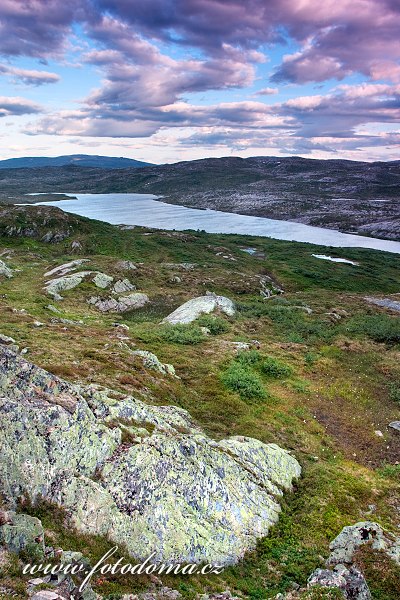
{"x":216,"y":325}
{"x":247,"y":384}
{"x":394,"y":391}
{"x":391,"y":471}
{"x":182,"y":334}
{"x":248,"y":357}
{"x":274,"y":367}
{"x":380,"y":328}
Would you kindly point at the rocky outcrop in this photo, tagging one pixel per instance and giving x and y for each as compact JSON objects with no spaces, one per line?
{"x":5,"y":271}
{"x":345,"y":575}
{"x":66,"y":268}
{"x":53,"y":287}
{"x":395,"y":425}
{"x":192,"y":309}
{"x":351,"y":538}
{"x":150,"y":361}
{"x":168,"y":489}
{"x":45,"y":223}
{"x":384,"y":302}
{"x":122,"y":285}
{"x":121,"y":304}
{"x":350,"y":581}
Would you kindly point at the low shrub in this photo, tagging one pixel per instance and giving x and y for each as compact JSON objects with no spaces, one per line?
{"x":380,"y":328}
{"x":248,"y":357}
{"x":273,"y":367}
{"x":247,"y":384}
{"x":182,"y":334}
{"x":215,"y":325}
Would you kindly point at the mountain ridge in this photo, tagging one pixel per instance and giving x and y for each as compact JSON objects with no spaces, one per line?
{"x":82,"y":160}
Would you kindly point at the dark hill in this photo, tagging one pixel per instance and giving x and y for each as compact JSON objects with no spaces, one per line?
{"x":81,"y":160}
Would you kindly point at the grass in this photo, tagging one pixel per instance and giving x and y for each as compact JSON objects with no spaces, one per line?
{"x":315,"y":386}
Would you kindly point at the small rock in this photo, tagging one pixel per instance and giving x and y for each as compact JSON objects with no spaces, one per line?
{"x":121,"y":326}
{"x":38,"y":323}
{"x":395,"y":425}
{"x":123,"y":285}
{"x":103,"y":281}
{"x":45,"y":595}
{"x":240,"y":346}
{"x":76,"y":245}
{"x":126,"y":265}
{"x":53,"y":309}
{"x":379,"y":433}
{"x":5,"y":271}
{"x":37,"y":581}
{"x":5,"y":339}
{"x":150,"y":361}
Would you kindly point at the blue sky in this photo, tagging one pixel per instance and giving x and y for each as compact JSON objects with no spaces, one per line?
{"x":172,"y":80}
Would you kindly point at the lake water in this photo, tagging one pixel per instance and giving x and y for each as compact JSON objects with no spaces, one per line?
{"x":145,"y":210}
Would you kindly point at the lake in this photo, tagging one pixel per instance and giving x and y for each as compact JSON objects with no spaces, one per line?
{"x":147,"y":211}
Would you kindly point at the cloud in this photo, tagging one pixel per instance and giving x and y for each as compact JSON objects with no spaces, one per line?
{"x":154,"y":56}
{"x":37,"y":28}
{"x":29,"y":77}
{"x":268,"y":91}
{"x":17,"y":106}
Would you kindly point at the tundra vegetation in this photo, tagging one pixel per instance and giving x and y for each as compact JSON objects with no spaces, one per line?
{"x":315,"y":370}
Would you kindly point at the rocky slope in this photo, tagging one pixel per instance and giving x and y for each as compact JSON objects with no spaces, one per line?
{"x":170,"y":490}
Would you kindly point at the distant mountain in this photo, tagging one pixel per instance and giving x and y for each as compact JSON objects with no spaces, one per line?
{"x":80,"y":160}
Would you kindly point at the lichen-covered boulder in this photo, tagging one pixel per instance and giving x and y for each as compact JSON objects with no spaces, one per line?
{"x":350,"y":581}
{"x":192,"y":309}
{"x":170,"y":489}
{"x":65,"y":283}
{"x":122,"y":285}
{"x":352,"y":537}
{"x":5,"y":271}
{"x":121,"y":304}
{"x":21,"y":532}
{"x":66,"y":268}
{"x":101,"y":280}
{"x":68,"y":282}
{"x":150,"y":361}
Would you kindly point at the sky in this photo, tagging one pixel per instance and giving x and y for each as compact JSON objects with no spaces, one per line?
{"x":170,"y":80}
